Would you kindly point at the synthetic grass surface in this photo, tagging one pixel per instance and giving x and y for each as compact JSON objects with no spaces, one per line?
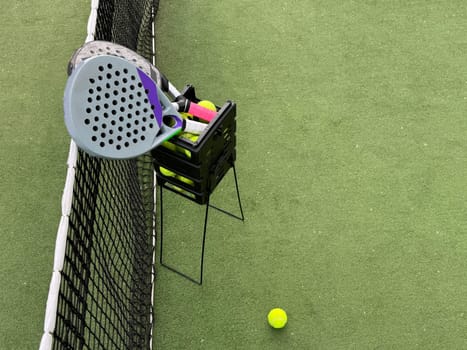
{"x":37,"y":41}
{"x":351,"y":143}
{"x":351,"y":162}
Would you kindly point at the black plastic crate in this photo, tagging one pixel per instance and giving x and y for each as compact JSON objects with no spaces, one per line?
{"x":181,"y":164}
{"x":193,"y":169}
{"x":207,"y":182}
{"x":188,"y":191}
{"x":219,"y":135}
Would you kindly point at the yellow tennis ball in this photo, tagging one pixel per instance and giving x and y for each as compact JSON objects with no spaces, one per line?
{"x":208,"y":105}
{"x":176,"y":188}
{"x":186,"y":115}
{"x":166,"y":172}
{"x":277,"y":318}
{"x":169,"y":145}
{"x":185,"y":180}
{"x":183,"y":151}
{"x":188,"y":136}
{"x":194,"y":138}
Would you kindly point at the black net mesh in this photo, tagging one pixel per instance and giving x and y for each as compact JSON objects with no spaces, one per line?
{"x":106,"y":286}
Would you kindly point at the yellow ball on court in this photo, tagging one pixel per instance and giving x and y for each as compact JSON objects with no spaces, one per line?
{"x":277,"y":318}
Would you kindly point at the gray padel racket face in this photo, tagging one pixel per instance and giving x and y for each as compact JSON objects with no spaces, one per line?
{"x":99,"y":48}
{"x":113,"y":109}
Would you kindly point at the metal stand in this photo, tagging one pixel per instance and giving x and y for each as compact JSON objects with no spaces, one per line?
{"x":208,"y":205}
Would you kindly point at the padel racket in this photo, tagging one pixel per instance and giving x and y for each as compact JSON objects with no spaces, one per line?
{"x":98,"y":47}
{"x":114,"y":105}
{"x":114,"y":110}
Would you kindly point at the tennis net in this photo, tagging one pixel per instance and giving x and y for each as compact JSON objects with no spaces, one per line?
{"x":101,"y":290}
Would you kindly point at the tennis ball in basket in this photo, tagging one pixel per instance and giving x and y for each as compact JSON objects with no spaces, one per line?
{"x":166,"y":172}
{"x":185,"y":180}
{"x":183,"y":151}
{"x":178,"y":189}
{"x":194,"y":138}
{"x":186,"y":115}
{"x":277,"y":318}
{"x":189,"y":136}
{"x":208,"y":105}
{"x":169,"y":145}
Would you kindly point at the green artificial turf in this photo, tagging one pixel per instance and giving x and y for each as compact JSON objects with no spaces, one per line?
{"x":351,"y":162}
{"x":37,"y":40}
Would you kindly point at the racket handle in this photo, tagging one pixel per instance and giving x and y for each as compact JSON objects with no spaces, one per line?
{"x":182,"y":104}
{"x":194,"y":127}
{"x":201,"y":112}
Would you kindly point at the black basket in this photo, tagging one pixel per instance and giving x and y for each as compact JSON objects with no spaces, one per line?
{"x":194,"y":169}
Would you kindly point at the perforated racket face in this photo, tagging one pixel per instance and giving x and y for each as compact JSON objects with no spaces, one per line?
{"x":114,"y":110}
{"x":99,"y":48}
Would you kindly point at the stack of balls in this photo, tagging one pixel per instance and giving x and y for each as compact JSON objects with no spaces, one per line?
{"x":192,"y":137}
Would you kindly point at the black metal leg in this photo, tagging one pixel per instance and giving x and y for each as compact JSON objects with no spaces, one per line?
{"x":161,"y":259}
{"x":203,"y":246}
{"x":161,"y":225}
{"x":204,"y":242}
{"x":241,"y":217}
{"x":238,"y":193}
